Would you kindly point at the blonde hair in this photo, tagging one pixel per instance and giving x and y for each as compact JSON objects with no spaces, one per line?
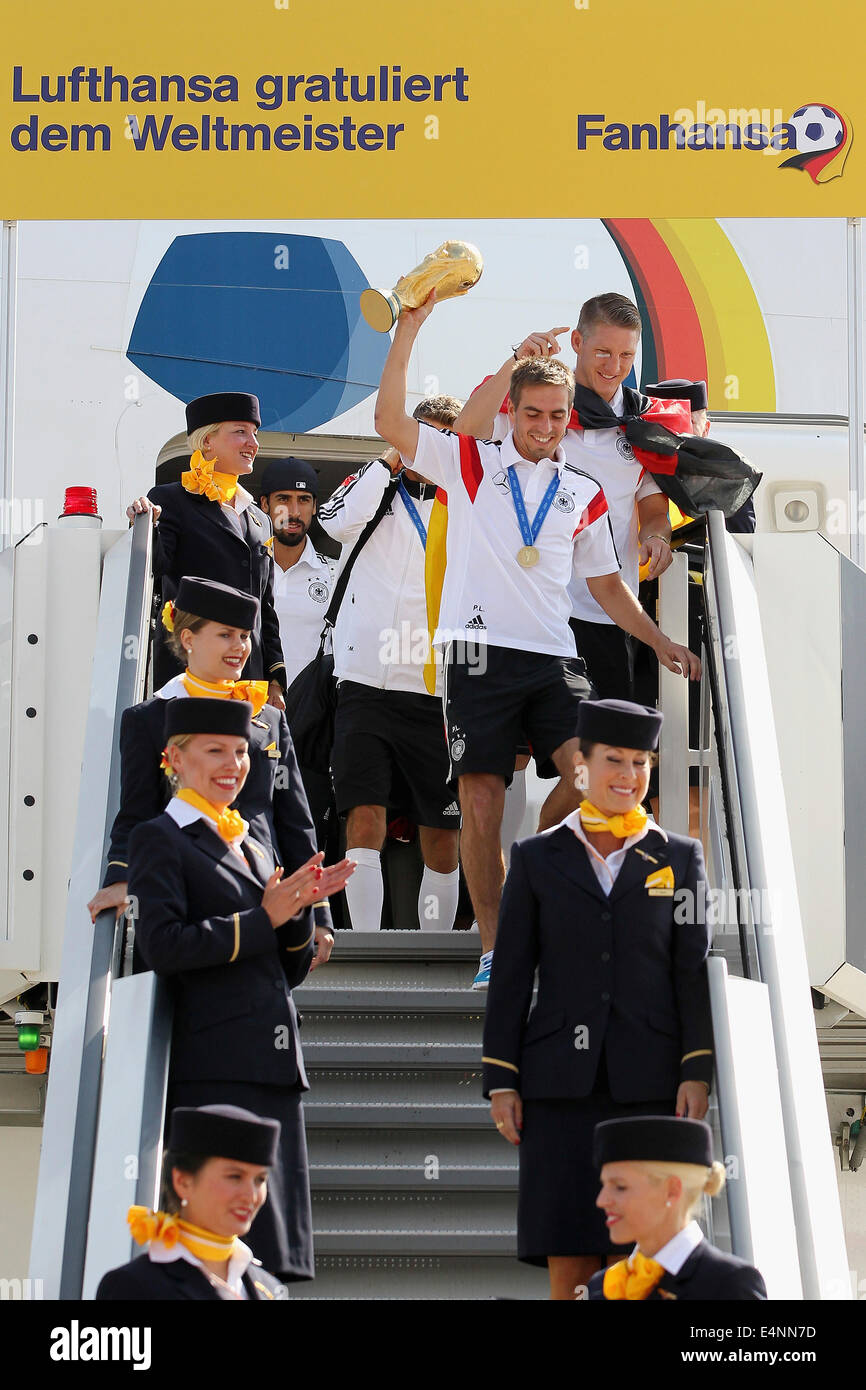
{"x":695,"y":1178}
{"x":197,"y":438}
{"x":176,"y":741}
{"x":183,"y":622}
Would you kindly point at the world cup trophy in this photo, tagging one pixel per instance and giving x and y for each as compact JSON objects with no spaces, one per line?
{"x":452,"y":269}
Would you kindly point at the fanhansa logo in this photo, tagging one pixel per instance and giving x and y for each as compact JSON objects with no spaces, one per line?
{"x":816,"y":138}
{"x":823,"y":137}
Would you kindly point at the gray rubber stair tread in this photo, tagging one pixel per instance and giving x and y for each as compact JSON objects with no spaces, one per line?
{"x":412,"y":1149}
{"x":407,"y":1054}
{"x":389,"y":999}
{"x":394,"y":1085}
{"x":355,"y":1177}
{"x":402,"y":945}
{"x":445,"y":1243}
{"x":429,"y":1277}
{"x":397,"y":1115}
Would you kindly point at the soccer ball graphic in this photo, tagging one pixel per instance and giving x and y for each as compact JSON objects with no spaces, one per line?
{"x":818,"y":128}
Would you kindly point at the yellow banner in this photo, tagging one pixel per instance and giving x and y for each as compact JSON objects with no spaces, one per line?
{"x":326,"y":108}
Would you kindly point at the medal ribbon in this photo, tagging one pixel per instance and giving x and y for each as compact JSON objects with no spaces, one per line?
{"x":530,"y":533}
{"x":413,"y":513}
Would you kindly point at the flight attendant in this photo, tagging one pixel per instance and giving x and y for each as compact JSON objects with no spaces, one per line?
{"x":216,"y":1170}
{"x":209,"y":632}
{"x":654,"y":1173}
{"x":608,"y":907}
{"x":233,"y":936}
{"x":209,"y":525}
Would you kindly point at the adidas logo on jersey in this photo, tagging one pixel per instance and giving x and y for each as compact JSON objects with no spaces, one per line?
{"x":477,"y":620}
{"x":452,"y":810}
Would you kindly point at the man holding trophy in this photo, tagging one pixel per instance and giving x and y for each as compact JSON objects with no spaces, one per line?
{"x":522,"y":523}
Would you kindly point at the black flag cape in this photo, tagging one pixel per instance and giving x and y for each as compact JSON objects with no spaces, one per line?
{"x":699,"y":475}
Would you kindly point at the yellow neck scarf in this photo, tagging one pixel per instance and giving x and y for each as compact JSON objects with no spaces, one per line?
{"x":147,"y":1226}
{"x":633,"y":1278}
{"x":230,"y":824}
{"x":202,"y":479}
{"x":620,"y":825}
{"x":254,"y":691}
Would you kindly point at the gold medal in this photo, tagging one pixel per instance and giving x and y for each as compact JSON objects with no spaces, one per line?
{"x":527,"y":556}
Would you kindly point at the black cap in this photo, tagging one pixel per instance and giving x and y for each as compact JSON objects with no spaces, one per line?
{"x":223,"y":1131}
{"x":223,"y":405}
{"x":219,"y":603}
{"x":289,"y":475}
{"x":680,"y":389}
{"x":652,"y":1138}
{"x":203,"y":716}
{"x":619,"y":723}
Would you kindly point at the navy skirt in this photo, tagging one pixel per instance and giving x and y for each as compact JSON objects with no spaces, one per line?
{"x":559,"y":1184}
{"x":281,"y":1235}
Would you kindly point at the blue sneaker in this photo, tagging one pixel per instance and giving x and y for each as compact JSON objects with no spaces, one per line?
{"x":482,"y":979}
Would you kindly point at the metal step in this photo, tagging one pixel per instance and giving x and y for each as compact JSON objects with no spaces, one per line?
{"x":415,"y":1241}
{"x":366,"y":971}
{"x":398,"y":1027}
{"x":414,"y":1192}
{"x":344,"y":1147}
{"x":843,"y":1055}
{"x":422,"y":1277}
{"x":387,"y":997}
{"x":392,"y":1085}
{"x":460,"y":1214}
{"x":357,"y":1177}
{"x":393,"y":1054}
{"x":399,"y":1115}
{"x":407,"y":945}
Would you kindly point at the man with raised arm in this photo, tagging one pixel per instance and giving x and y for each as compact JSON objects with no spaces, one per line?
{"x":522,"y":522}
{"x":605,"y":341}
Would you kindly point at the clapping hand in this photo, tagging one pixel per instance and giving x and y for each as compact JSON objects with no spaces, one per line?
{"x":284,"y":898}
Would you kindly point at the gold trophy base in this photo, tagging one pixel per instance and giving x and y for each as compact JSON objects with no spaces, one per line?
{"x":380,"y":309}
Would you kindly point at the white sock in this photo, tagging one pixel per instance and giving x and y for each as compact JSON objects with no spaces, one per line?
{"x":512,"y":815}
{"x":437,"y":900}
{"x":365,"y":890}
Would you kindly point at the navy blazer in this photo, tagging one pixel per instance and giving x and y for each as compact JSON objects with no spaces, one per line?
{"x":195,"y":537}
{"x":143,"y":1279}
{"x":200,"y":922}
{"x":273,"y":799}
{"x":707,"y":1274}
{"x":617,"y":971}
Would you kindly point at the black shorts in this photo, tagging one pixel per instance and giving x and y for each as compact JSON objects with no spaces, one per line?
{"x":608,"y":655}
{"x":390,"y":750}
{"x":496,"y":699}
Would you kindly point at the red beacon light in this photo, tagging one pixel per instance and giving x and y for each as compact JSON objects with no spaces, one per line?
{"x":80,"y":508}
{"x":80,"y":501}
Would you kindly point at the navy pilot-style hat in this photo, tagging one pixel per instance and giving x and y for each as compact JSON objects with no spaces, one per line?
{"x":222,"y":405}
{"x":679,"y":389}
{"x":204,"y":716}
{"x":219,"y":603}
{"x":289,"y":475}
{"x":223,"y":1131}
{"x":619,"y":723}
{"x":652,"y":1139}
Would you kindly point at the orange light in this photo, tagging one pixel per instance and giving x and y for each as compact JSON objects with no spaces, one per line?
{"x":36,"y":1062}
